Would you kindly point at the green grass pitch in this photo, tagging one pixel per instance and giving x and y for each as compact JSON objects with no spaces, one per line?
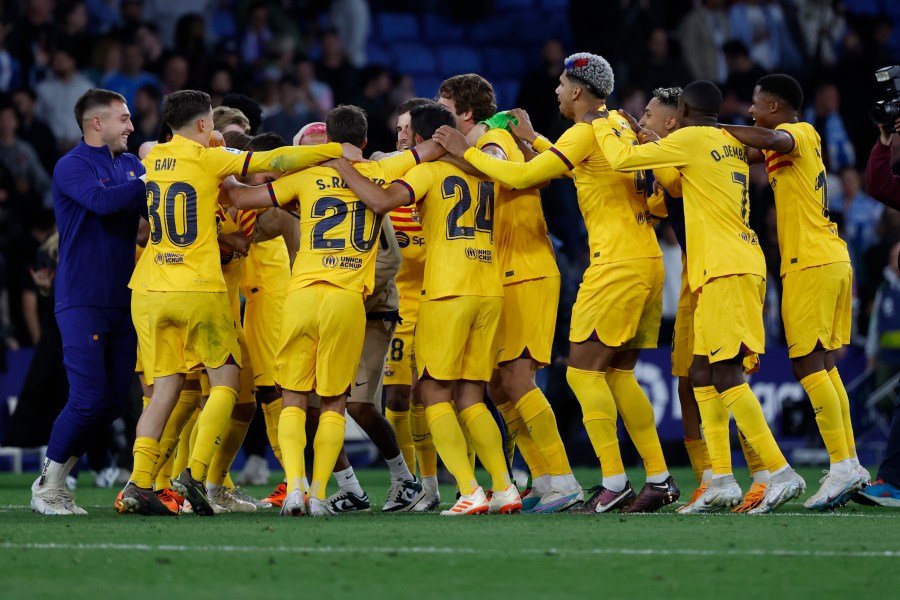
{"x":791,"y":554}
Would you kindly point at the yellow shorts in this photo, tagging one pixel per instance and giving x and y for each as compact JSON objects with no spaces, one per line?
{"x":816,"y":307}
{"x":620,"y":304}
{"x":189,"y":330}
{"x":262,"y":324}
{"x":455,"y":337}
{"x":729,"y":317}
{"x":370,"y":374}
{"x":401,"y":355}
{"x":322,"y":332}
{"x":141,"y":319}
{"x":528,"y":321}
{"x":683,"y":337}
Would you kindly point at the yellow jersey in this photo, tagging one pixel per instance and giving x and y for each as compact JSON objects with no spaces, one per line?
{"x":268,"y":267}
{"x":613,"y":204}
{"x":806,"y":235}
{"x":411,"y":239}
{"x":183,"y":180}
{"x":140,"y":277}
{"x":338,"y":233}
{"x":232,"y":264}
{"x":714,"y":176}
{"x":457,"y":212}
{"x":523,"y":245}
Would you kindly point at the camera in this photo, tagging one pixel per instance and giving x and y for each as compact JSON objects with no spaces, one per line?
{"x":887,"y":111}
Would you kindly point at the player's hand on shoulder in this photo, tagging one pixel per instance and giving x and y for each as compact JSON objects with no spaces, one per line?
{"x":645,"y":136}
{"x":452,"y":140}
{"x":336,"y":163}
{"x":352,"y":153}
{"x":632,"y":122}
{"x":519,"y":124}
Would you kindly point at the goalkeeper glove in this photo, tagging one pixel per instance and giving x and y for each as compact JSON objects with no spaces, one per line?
{"x":499,"y":121}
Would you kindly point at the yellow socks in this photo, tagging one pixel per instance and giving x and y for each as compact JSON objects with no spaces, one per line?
{"x":292,"y":437}
{"x":754,"y":463}
{"x":326,"y":447}
{"x":845,"y":409}
{"x":470,"y":449}
{"x":183,"y":451}
{"x":211,"y":426}
{"x":538,"y":417}
{"x":426,"y":455}
{"x":637,"y":415}
{"x":714,"y":419}
{"x":272,"y":414}
{"x":699,"y":456}
{"x":146,"y":453}
{"x":827,"y":408}
{"x":517,"y":433}
{"x":399,"y":420}
{"x":451,"y":445}
{"x":749,"y":417}
{"x":188,"y":401}
{"x":599,"y":417}
{"x":488,"y":443}
{"x":232,"y":440}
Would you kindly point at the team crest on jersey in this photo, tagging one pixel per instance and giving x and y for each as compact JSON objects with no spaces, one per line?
{"x":329,"y":261}
{"x":402,"y":239}
{"x":388,"y":370}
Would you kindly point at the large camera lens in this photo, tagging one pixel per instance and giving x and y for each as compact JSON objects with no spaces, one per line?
{"x":885,"y":113}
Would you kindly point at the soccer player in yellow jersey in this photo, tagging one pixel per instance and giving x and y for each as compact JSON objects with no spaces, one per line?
{"x":530,"y":297}
{"x":324,"y":321}
{"x":815,"y":271}
{"x":403,"y":403}
{"x":462,"y":296}
{"x":726,"y":270}
{"x":191,"y":323}
{"x":619,"y":304}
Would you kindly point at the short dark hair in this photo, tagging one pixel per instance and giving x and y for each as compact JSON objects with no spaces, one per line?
{"x":784,"y":87}
{"x":265,"y":142}
{"x":246,"y":105}
{"x":236,"y":139}
{"x":347,"y":124}
{"x":412,"y":103}
{"x":703,"y":96}
{"x":92,"y":99}
{"x":165,"y":133}
{"x":470,"y":92}
{"x":425,"y":119}
{"x":180,"y":108}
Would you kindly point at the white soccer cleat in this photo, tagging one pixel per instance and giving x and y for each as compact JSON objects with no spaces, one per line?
{"x":47,"y":500}
{"x":69,"y":498}
{"x":294,"y":505}
{"x":429,"y":502}
{"x":222,"y":496}
{"x":835,"y":490}
{"x":255,"y":472}
{"x":475,"y":503}
{"x":864,"y":477}
{"x":782,"y":488}
{"x":318,"y":508}
{"x":722,"y":493}
{"x":558,"y":501}
{"x":506,"y":502}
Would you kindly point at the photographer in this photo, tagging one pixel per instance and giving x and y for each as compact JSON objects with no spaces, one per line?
{"x":881,"y":183}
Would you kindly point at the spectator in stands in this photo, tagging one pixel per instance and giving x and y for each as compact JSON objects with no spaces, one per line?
{"x":824,"y":115}
{"x":175,"y":75}
{"x":147,"y":117}
{"x":222,"y":22}
{"x":103,"y":16}
{"x":335,"y":69}
{"x":633,"y":100}
{"x":823,"y":26}
{"x":220,"y":84}
{"x":30,"y":36}
{"x":861,"y":213}
{"x":315,"y":94}
{"x":375,"y":85}
{"x":543,"y":107}
{"x":249,"y":107}
{"x":703,"y":33}
{"x":166,"y":14}
{"x":132,"y":75}
{"x":256,"y":37}
{"x":155,"y":54}
{"x":661,"y":67}
{"x":33,"y":130}
{"x":292,"y":113}
{"x":352,"y":20}
{"x":57,"y":95}
{"x":130,"y":18}
{"x":10,"y":70}
{"x":72,"y":19}
{"x":17,"y":155}
{"x":743,"y":73}
{"x":190,"y":42}
{"x":761,"y":26}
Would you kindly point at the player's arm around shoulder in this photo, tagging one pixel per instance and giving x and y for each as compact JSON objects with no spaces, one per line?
{"x":381,"y":201}
{"x":779,"y":140}
{"x":246,"y":197}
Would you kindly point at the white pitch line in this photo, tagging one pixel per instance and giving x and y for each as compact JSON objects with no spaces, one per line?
{"x":451,"y":550}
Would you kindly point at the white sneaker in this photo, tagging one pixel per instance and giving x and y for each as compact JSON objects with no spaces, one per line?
{"x":294,"y":505}
{"x":721,"y":494}
{"x":48,"y":500}
{"x":475,"y":503}
{"x":506,"y":502}
{"x":255,"y":472}
{"x":222,"y":496}
{"x":317,"y":508}
{"x":558,"y":500}
{"x":69,"y":498}
{"x":834,"y":488}
{"x":429,"y":502}
{"x":404,"y":496}
{"x":107,"y":477}
{"x":239,"y":493}
{"x":783,"y":487}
